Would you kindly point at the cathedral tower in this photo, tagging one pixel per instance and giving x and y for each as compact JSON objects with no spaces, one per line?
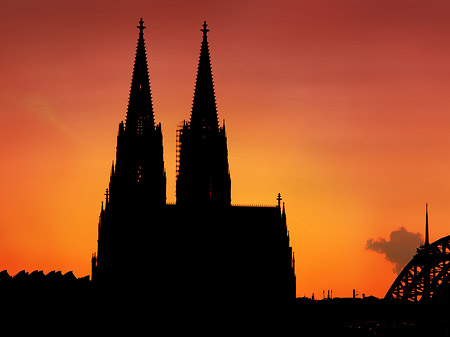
{"x":139,"y":159}
{"x":137,"y":184}
{"x":203,"y":173}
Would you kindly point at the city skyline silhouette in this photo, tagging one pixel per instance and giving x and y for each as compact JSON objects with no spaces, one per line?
{"x":342,"y":111}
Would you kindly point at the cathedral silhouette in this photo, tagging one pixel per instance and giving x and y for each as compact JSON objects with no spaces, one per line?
{"x":202,"y":247}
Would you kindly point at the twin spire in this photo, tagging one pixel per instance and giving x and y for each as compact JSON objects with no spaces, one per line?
{"x":204,"y":109}
{"x":140,"y":107}
{"x":140,"y":115}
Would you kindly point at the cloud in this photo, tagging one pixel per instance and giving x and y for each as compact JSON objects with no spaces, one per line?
{"x":43,"y":109}
{"x":399,"y":249}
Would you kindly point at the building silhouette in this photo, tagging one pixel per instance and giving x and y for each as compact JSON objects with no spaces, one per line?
{"x":202,"y":247}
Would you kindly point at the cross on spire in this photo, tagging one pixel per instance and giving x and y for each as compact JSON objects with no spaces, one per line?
{"x":107,"y":195}
{"x":204,"y":29}
{"x":141,"y":26}
{"x":279,"y":198}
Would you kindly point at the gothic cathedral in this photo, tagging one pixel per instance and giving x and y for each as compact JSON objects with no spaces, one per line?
{"x":202,"y":247}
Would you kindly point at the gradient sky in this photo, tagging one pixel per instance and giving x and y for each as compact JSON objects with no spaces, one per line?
{"x":341,"y":106}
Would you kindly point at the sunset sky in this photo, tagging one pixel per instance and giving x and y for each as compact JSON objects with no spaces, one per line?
{"x":341,"y":106}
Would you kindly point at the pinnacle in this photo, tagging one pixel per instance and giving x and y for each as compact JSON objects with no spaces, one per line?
{"x":140,"y":106}
{"x":204,"y":110}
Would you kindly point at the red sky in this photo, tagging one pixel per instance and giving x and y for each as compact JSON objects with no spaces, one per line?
{"x":341,"y":106}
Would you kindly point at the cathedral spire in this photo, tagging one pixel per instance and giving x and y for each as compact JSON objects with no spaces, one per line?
{"x":203,"y":172}
{"x":204,"y":109}
{"x":140,"y":107}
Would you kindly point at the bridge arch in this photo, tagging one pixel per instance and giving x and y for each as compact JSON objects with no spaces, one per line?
{"x":426,"y":276}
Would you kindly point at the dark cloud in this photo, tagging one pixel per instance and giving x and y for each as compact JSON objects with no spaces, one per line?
{"x":399,"y":249}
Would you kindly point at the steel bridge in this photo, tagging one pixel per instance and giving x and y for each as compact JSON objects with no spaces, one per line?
{"x":426,"y":276}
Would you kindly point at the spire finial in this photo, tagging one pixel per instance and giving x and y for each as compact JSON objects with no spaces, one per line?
{"x":204,"y":29}
{"x":279,"y":198}
{"x":427,"y":238}
{"x":141,"y":26}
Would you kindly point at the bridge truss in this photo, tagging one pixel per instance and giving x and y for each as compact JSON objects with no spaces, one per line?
{"x":426,"y":276}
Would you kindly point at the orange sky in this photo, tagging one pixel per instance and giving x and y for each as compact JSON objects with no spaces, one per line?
{"x":342,"y":106}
